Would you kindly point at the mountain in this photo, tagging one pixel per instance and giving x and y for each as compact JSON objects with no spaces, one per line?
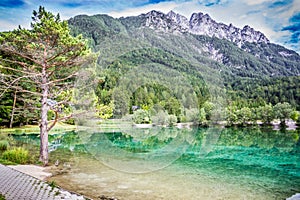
{"x":217,"y":41}
{"x":250,"y":65}
{"x":202,"y":24}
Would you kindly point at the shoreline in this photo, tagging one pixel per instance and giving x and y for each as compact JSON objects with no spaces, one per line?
{"x":39,"y":172}
{"x":42,"y":173}
{"x":28,"y":182}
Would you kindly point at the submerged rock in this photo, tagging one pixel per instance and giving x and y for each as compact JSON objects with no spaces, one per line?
{"x":103,"y":197}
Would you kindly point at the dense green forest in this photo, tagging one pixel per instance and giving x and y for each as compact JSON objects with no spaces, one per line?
{"x":166,"y":78}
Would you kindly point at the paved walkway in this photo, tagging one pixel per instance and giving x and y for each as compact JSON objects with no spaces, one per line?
{"x":15,"y":185}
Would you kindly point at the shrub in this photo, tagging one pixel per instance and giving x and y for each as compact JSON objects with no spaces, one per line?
{"x":192,"y":115}
{"x":4,"y":145}
{"x":161,"y":118}
{"x":172,"y":120}
{"x":141,"y":117}
{"x":16,"y":155}
{"x":2,"y":197}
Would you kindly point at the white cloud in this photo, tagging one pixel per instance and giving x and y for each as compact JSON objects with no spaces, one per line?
{"x":233,"y":12}
{"x":294,"y":8}
{"x":255,"y":13}
{"x":255,"y":2}
{"x":6,"y":26}
{"x":164,"y":7}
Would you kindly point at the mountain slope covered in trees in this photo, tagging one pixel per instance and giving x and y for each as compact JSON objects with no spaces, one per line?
{"x":251,"y":72}
{"x":239,"y":69}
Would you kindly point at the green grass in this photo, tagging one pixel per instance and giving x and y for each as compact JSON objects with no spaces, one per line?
{"x":4,"y":145}
{"x":52,"y":184}
{"x":59,"y":127}
{"x":7,"y":162}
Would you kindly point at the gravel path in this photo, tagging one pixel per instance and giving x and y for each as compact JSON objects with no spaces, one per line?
{"x":15,"y":185}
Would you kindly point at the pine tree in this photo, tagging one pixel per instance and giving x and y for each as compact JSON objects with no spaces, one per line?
{"x":46,"y":56}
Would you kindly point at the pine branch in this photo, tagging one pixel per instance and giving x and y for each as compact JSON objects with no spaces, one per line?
{"x":24,"y":65}
{"x":11,"y":85}
{"x":62,"y":79}
{"x":14,"y":52}
{"x":55,"y":120}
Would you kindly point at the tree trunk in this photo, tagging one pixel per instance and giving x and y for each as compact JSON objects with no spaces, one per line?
{"x":13,"y":110}
{"x":44,"y":121}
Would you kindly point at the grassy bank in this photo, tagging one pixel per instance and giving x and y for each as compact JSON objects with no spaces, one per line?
{"x":58,"y":128}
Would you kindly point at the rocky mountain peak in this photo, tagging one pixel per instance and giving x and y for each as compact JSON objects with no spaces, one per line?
{"x":171,"y":22}
{"x":200,"y":17}
{"x":202,"y":24}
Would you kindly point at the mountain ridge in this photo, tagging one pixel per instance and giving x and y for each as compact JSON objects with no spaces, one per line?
{"x":256,"y":55}
{"x":250,"y":72}
{"x":202,"y":24}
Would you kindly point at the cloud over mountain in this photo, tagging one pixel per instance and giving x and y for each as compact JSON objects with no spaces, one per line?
{"x":276,"y":19}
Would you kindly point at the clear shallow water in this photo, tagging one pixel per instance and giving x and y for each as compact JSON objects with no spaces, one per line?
{"x":163,"y":163}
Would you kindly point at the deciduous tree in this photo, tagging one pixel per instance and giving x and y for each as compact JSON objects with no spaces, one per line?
{"x":283,"y":111}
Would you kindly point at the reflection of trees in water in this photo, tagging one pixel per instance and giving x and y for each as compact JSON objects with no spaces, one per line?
{"x":257,"y":137}
{"x":149,"y":139}
{"x":201,"y":141}
{"x":198,"y":139}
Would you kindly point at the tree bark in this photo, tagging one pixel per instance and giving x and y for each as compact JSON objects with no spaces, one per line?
{"x":44,"y":157}
{"x":13,"y":110}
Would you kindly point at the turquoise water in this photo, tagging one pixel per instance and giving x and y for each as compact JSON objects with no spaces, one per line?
{"x":236,"y":163}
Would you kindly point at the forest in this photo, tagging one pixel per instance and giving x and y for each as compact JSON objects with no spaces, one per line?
{"x":165,"y":78}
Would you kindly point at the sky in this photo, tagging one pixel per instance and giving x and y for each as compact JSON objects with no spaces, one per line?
{"x":279,"y":20}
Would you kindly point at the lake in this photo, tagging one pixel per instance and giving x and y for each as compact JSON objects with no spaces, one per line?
{"x":170,"y":163}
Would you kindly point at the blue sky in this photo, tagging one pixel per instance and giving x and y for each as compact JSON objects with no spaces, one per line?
{"x":279,"y":20}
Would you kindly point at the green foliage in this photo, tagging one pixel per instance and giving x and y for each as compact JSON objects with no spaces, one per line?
{"x":255,"y":76}
{"x":52,"y":184}
{"x":23,"y":50}
{"x":202,"y":116}
{"x":16,"y":155}
{"x":160,"y":118}
{"x":295,"y":115}
{"x":6,"y":162}
{"x":172,"y":120}
{"x":172,"y":106}
{"x":266,"y":113}
{"x":4,"y":145}
{"x":283,"y":111}
{"x":105,"y":111}
{"x":244,"y":115}
{"x":5,"y":108}
{"x":121,"y":103}
{"x":256,"y":92}
{"x":141,"y":117}
{"x":208,"y":108}
{"x":2,"y":197}
{"x":231,"y":115}
{"x":192,"y":115}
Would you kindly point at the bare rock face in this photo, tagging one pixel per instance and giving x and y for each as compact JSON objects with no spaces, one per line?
{"x":202,"y":24}
{"x":170,"y":22}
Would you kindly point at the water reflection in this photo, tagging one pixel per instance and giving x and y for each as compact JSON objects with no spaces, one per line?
{"x":140,"y":150}
{"x":258,"y":158}
{"x":138,"y":141}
